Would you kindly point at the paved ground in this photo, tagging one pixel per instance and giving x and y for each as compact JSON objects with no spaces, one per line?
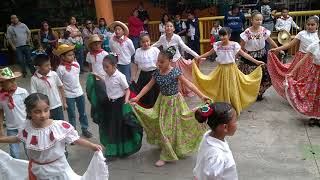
{"x":272,"y":143}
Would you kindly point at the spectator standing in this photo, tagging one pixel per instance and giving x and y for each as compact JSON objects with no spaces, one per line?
{"x":144,"y":16}
{"x":76,"y":35}
{"x":180,"y":27}
{"x":88,"y":30}
{"x":165,"y":18}
{"x":193,"y":32}
{"x":104,"y":33}
{"x":135,"y":28}
{"x":48,"y":40}
{"x":235,"y":20}
{"x":19,"y":36}
{"x":268,"y":11}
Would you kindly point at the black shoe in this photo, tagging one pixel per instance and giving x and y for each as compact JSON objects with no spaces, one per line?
{"x":259,"y":98}
{"x":86,"y":133}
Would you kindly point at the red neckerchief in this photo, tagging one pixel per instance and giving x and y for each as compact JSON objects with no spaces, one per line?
{"x":69,"y":65}
{"x":120,"y":40}
{"x":94,"y":53}
{"x":8,"y":94}
{"x":44,"y":78}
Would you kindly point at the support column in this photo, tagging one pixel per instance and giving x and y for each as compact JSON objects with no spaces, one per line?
{"x":104,"y":10}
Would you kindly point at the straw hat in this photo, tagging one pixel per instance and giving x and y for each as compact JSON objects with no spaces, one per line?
{"x":7,"y":73}
{"x":63,"y":48}
{"x":284,"y":37}
{"x":94,"y":38}
{"x":122,"y":25}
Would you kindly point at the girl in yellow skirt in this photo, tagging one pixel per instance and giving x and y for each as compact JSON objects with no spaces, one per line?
{"x":170,"y":123}
{"x":227,"y":83}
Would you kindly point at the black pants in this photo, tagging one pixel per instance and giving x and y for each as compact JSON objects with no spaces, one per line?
{"x":194,"y":44}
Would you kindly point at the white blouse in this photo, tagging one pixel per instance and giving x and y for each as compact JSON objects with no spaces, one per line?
{"x":255,"y":40}
{"x":146,"y":60}
{"x":177,"y":42}
{"x":215,"y":160}
{"x":314,"y":49}
{"x":306,"y":38}
{"x":226,"y":54}
{"x":116,"y":85}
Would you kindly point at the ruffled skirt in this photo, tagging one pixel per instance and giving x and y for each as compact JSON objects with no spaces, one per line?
{"x":278,"y":70}
{"x":228,"y":84}
{"x":171,"y":125}
{"x":304,"y":94}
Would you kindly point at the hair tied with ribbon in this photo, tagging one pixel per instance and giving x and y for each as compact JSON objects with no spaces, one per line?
{"x":206,"y":110}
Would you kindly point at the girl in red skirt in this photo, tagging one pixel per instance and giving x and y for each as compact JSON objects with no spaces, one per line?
{"x":304,"y":94}
{"x":278,"y":71}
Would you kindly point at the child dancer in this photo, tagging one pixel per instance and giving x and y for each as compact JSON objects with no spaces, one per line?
{"x":167,"y":122}
{"x":45,"y":141}
{"x":303,"y":94}
{"x":226,"y":83}
{"x":123,"y":47}
{"x":68,"y":72}
{"x":11,"y":106}
{"x":277,"y":70}
{"x":171,"y":39}
{"x":48,"y":82}
{"x":215,"y":160}
{"x":120,"y":135}
{"x":145,"y":59}
{"x":253,"y":41}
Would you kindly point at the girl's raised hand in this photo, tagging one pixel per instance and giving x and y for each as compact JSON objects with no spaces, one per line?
{"x":274,"y":50}
{"x":260,"y":63}
{"x":206,"y":99}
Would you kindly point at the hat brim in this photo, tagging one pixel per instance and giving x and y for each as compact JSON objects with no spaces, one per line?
{"x":58,"y":52}
{"x":96,"y":40}
{"x":284,"y":41}
{"x":122,"y":25}
{"x":16,"y":75}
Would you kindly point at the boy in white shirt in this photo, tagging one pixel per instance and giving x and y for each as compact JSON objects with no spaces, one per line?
{"x":285,"y":22}
{"x":68,"y":72}
{"x":48,"y":82}
{"x":123,"y":47}
{"x":12,"y":106}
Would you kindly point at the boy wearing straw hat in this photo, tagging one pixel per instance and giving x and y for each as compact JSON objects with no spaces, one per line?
{"x":123,"y":47}
{"x":12,"y":106}
{"x":68,"y":72}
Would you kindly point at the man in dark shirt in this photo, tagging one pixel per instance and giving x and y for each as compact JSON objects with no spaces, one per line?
{"x":144,"y":16}
{"x":268,"y":11}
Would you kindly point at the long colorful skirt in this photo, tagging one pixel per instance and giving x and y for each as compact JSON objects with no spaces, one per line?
{"x":278,"y":70}
{"x":247,"y":67}
{"x":150,"y":98}
{"x":121,"y":134}
{"x":186,"y":67}
{"x":228,"y":84}
{"x":171,"y":125}
{"x":304,"y":94}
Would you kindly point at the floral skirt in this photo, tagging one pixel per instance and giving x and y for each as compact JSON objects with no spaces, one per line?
{"x":228,"y":84}
{"x":171,"y":125}
{"x":186,"y":67}
{"x":247,"y":67}
{"x":304,"y":94}
{"x":278,"y":70}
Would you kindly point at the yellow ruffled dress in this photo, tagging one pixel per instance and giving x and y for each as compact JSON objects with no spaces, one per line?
{"x":226,"y":83}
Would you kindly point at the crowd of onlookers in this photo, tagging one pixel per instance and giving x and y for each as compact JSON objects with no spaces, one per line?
{"x":137,"y":23}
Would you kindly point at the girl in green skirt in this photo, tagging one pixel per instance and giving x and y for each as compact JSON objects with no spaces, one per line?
{"x":170,"y":123}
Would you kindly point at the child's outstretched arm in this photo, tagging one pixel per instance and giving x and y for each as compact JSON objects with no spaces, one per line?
{"x":271,"y":42}
{"x":127,"y":96}
{"x":193,"y":88}
{"x":286,"y":46}
{"x":247,"y":56}
{"x":144,"y":90}
{"x":88,"y":144}
{"x":9,"y":139}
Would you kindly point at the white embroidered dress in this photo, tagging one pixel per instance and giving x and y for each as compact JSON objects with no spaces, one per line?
{"x":46,"y":147}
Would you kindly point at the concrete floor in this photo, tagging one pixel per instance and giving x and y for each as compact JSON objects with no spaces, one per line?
{"x":272,"y":143}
